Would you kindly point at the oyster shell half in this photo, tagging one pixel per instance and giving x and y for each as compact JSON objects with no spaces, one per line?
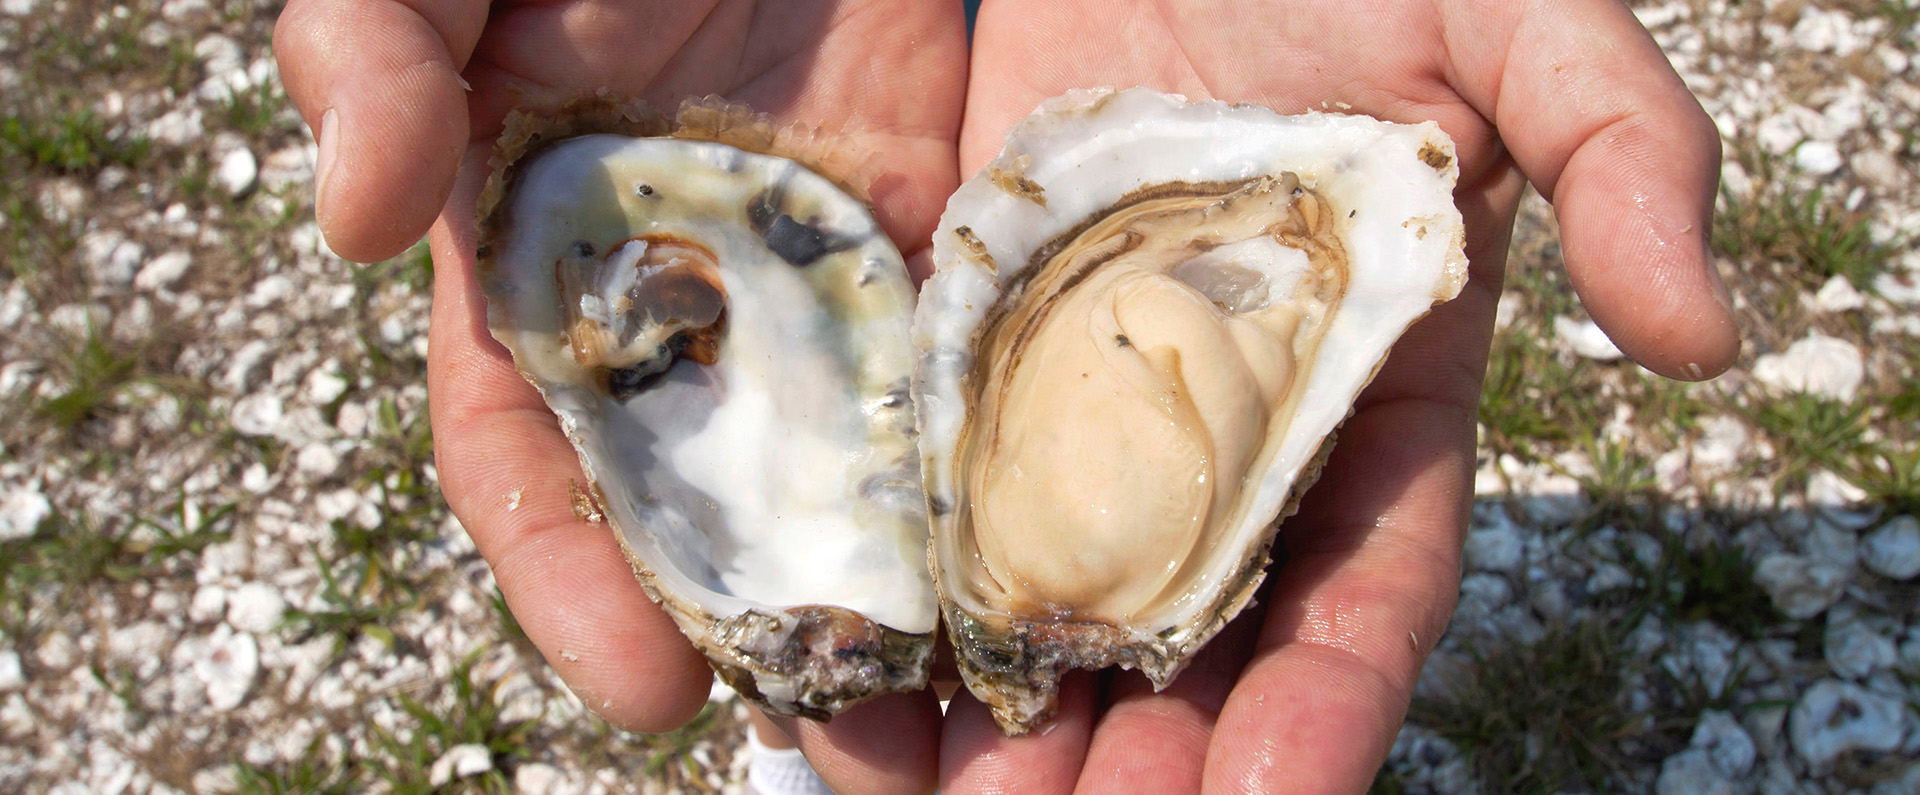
{"x":1147,"y":319}
{"x":722,"y":330}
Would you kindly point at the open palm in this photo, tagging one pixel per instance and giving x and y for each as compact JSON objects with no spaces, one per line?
{"x":407,"y":97}
{"x":1302,"y":694}
{"x":1306,"y":695}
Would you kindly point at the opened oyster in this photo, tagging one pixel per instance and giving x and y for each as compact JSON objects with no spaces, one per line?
{"x":1147,"y":319}
{"x":723,"y":332}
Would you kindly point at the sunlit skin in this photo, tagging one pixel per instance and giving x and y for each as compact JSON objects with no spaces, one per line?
{"x":1304,"y":694}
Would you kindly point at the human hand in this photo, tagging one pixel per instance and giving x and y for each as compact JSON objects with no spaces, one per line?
{"x":1307,"y":695}
{"x":407,"y":96}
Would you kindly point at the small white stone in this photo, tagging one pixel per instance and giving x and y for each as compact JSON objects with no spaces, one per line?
{"x":1877,"y":169}
{"x":270,"y":290}
{"x":1779,"y":133}
{"x":79,"y":320}
{"x":1585,"y":339}
{"x":22,"y":512}
{"x":1801,"y":587}
{"x":352,"y":420}
{"x":460,"y":761}
{"x":1854,"y":650}
{"x":318,"y":460}
{"x":1896,"y":61}
{"x":1893,"y":550}
{"x":1725,"y":742}
{"x":1656,"y":17}
{"x":209,"y":603}
{"x":1481,"y":594}
{"x":258,"y":414}
{"x":255,"y":607}
{"x":1899,"y":288}
{"x":1691,"y":772}
{"x":178,"y":127}
{"x":1708,"y":652}
{"x":237,"y":172}
{"x":537,"y":778}
{"x":1819,"y":158}
{"x":1496,"y":546}
{"x":11,"y":678}
{"x":110,"y":257}
{"x":1834,"y":717}
{"x":15,"y":304}
{"x":1818,"y":365}
{"x":1817,"y":31}
{"x":1837,"y":295}
{"x":256,"y":478}
{"x":178,"y":10}
{"x":228,"y":665}
{"x":325,"y":385}
{"x":1824,"y":540}
{"x":1608,"y":576}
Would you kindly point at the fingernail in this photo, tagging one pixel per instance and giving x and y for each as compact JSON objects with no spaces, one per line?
{"x":323,"y":163}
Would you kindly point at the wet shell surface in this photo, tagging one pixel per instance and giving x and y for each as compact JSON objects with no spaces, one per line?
{"x":721,"y":327}
{"x":1147,"y":319}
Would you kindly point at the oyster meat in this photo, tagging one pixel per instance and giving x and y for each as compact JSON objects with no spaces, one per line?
{"x":1147,"y":318}
{"x":722,"y":329}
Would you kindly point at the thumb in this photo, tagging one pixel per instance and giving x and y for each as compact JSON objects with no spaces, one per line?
{"x":379,"y":83}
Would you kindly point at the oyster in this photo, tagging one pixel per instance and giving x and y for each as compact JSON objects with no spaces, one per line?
{"x":722,"y":329}
{"x":1146,"y":321}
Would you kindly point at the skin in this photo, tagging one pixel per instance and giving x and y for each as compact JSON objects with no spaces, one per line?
{"x":1304,"y":694}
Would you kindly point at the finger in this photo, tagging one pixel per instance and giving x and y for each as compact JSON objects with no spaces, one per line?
{"x":810,"y":61}
{"x":976,"y":757}
{"x":890,"y":744}
{"x":1372,"y":566}
{"x":1034,"y":49}
{"x":1157,"y":742}
{"x":1366,"y":589}
{"x":1600,"y":122}
{"x":379,"y":83}
{"x":507,"y":472}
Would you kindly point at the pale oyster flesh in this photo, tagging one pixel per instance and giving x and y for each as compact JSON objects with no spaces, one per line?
{"x":1146,"y":321}
{"x":724,"y":337}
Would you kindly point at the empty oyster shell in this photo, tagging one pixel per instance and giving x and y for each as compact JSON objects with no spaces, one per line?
{"x":1146,"y":320}
{"x":723,"y":332}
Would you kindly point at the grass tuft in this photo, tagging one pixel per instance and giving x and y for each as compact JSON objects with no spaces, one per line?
{"x":1622,"y":483}
{"x":1713,"y":582}
{"x":1811,"y":433}
{"x":363,"y":609}
{"x":1890,"y":478}
{"x":313,"y":774}
{"x":254,"y":112}
{"x":69,"y":555}
{"x":1806,"y":227}
{"x":470,"y":717}
{"x":1543,"y":717}
{"x":1517,"y":402}
{"x":96,"y":370}
{"x":67,"y":143}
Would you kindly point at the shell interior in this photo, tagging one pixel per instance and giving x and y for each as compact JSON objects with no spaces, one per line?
{"x":1147,"y":319}
{"x":724,"y":336}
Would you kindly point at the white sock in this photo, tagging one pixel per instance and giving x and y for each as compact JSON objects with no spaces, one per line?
{"x":781,"y":771}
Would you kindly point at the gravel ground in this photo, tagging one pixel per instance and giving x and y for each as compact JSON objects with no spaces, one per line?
{"x":225,"y":565}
